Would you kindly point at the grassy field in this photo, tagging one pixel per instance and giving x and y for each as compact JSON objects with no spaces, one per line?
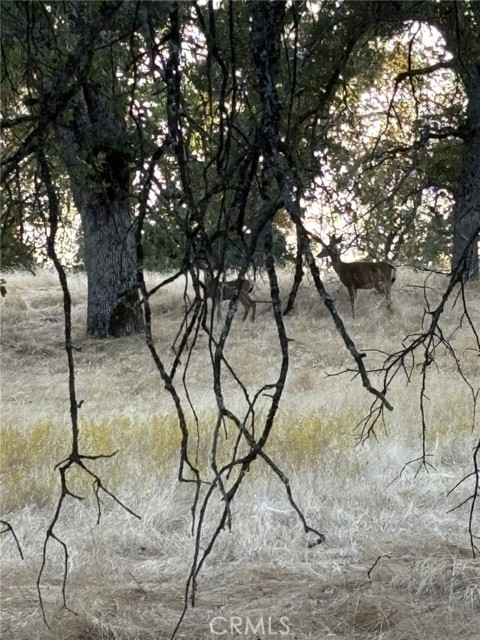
{"x":127,"y":576}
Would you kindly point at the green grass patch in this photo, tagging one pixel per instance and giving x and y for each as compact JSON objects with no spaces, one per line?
{"x":147,"y":448}
{"x":26,"y":463}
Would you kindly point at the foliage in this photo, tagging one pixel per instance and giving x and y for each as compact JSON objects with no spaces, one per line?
{"x":384,"y":153}
{"x":16,"y":252}
{"x":370,"y":152}
{"x":160,"y":251}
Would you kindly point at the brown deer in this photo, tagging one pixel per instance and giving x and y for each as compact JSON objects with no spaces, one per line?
{"x":219,"y":291}
{"x":360,"y":275}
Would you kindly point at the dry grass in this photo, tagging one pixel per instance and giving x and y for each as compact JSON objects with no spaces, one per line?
{"x":127,"y":577}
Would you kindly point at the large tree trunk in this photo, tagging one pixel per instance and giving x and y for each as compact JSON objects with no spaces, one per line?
{"x":95,"y":149}
{"x":466,"y":212}
{"x":110,"y":258}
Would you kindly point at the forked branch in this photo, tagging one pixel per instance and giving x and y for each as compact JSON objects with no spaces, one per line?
{"x":75,"y":458}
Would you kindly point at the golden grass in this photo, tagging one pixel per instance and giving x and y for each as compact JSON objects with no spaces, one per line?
{"x":127,"y":576}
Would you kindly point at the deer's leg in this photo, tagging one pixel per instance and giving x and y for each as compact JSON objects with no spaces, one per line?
{"x":253,"y":305}
{"x":389,"y":300}
{"x":384,"y":288}
{"x":245,"y":300}
{"x":248,"y":303}
{"x":218,"y":302}
{"x":351,"y":293}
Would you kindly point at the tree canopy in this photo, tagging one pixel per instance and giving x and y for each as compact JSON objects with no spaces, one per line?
{"x":152,"y":110}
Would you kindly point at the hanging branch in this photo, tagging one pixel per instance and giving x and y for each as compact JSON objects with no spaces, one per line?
{"x":9,"y":528}
{"x":250,"y":442}
{"x":429,"y":341}
{"x":75,"y":458}
{"x":473,"y":499}
{"x":270,"y":132}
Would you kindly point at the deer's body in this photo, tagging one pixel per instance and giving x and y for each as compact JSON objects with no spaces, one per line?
{"x":360,"y":275}
{"x":219,"y":291}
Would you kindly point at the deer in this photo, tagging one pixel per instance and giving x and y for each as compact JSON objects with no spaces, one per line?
{"x":360,"y":275}
{"x":221,"y":291}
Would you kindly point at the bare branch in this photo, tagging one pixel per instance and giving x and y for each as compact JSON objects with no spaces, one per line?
{"x":8,"y":527}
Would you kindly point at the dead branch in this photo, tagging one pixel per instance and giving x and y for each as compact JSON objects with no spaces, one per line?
{"x":9,"y":528}
{"x":75,"y":458}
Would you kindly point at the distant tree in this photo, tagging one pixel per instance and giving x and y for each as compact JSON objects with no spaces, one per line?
{"x":459,"y":23}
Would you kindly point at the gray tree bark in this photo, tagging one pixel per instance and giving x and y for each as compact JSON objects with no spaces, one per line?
{"x":466,"y":212}
{"x":93,"y":141}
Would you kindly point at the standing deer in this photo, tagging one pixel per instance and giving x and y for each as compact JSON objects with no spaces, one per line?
{"x":360,"y":275}
{"x":220,"y":291}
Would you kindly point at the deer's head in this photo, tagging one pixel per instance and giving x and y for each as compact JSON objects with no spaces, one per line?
{"x":332,"y":249}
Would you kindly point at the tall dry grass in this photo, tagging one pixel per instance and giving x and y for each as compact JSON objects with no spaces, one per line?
{"x":127,"y":577}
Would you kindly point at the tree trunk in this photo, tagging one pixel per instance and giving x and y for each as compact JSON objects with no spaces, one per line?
{"x":95,"y":149}
{"x":110,"y":258}
{"x":466,"y":212}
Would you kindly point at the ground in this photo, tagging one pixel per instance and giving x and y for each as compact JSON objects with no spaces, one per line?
{"x":397,"y":561}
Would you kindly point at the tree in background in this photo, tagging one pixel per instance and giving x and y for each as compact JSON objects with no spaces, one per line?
{"x":458,"y":23}
{"x":64,"y":92}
